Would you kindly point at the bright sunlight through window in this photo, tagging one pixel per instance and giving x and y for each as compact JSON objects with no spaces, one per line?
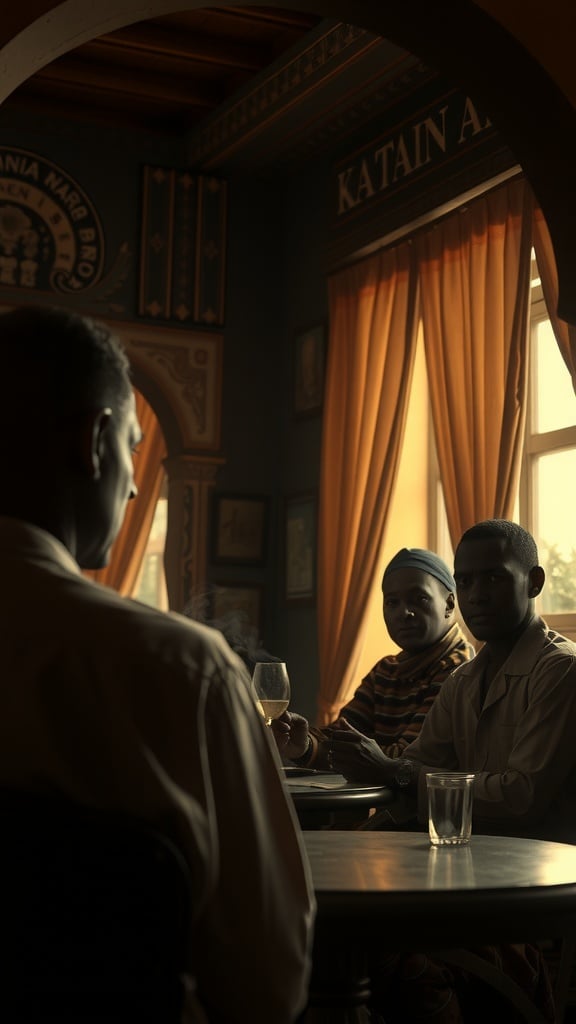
{"x":547,"y":497}
{"x":548,"y":492}
{"x":151,"y":584}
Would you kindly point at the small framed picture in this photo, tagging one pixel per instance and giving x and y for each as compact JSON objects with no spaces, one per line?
{"x":239,"y":607}
{"x":240,"y":529}
{"x":309,"y":356}
{"x":300,"y":548}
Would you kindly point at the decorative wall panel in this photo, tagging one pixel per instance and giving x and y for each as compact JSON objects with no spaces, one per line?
{"x":186,"y":370}
{"x":183,"y":247}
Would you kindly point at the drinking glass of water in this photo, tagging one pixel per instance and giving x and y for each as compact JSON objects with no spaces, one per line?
{"x":271,"y":688}
{"x":450,"y":807}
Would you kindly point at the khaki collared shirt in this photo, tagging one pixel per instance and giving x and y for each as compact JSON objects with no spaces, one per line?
{"x":521,"y":743}
{"x":117,"y":705}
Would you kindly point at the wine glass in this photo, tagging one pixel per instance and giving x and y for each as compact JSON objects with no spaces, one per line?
{"x":271,"y":688}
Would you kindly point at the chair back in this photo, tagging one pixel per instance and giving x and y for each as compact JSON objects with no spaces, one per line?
{"x":96,"y":911}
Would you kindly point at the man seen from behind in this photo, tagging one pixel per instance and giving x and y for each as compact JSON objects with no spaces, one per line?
{"x":113,"y":704}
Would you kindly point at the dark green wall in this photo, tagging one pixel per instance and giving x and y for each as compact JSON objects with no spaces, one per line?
{"x":276,"y":286}
{"x":106,"y":164}
{"x":306,"y":212}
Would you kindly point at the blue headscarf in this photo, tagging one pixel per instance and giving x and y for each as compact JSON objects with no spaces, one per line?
{"x":426,"y":561}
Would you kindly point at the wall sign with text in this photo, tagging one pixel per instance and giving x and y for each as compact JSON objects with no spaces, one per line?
{"x":51,"y":238}
{"x":386,"y":164}
{"x":424,"y":158}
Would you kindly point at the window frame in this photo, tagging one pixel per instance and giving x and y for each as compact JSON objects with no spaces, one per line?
{"x":155,"y":548}
{"x":536,"y":444}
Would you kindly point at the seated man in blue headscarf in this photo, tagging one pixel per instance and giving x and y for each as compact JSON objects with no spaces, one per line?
{"x":392,"y":701}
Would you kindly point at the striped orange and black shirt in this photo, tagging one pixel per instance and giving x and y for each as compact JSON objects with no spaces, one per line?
{"x":393,"y":700}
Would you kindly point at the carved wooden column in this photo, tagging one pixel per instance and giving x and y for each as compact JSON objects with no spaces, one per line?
{"x":190,"y":482}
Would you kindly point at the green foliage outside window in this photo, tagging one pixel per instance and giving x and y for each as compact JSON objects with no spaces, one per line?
{"x":559,"y":594}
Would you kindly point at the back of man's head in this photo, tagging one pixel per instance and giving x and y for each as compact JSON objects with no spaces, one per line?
{"x":520,"y":542}
{"x":67,"y":429}
{"x":57,"y":364}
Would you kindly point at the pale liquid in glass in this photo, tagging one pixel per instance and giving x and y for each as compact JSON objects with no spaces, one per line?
{"x":271,"y":708}
{"x":271,"y":688}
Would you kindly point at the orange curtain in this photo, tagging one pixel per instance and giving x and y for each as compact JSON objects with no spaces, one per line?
{"x":474,"y":272}
{"x":369,"y":370}
{"x":122,"y":571}
{"x":565,"y":333}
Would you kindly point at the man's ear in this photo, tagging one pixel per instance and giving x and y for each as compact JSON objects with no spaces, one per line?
{"x":450,"y":605}
{"x":536,"y":578}
{"x":94,"y":427}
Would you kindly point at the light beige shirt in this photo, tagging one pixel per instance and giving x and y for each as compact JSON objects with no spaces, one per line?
{"x":117,"y":705}
{"x":521,"y":743}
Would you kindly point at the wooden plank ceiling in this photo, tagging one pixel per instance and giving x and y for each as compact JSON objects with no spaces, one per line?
{"x":164,"y":75}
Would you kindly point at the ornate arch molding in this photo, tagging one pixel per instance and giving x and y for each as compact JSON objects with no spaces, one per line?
{"x":180,"y":374}
{"x":535,"y":118}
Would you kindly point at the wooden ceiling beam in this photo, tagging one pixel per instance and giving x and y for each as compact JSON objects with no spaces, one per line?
{"x":53,"y":103}
{"x":190,"y":46}
{"x":169,"y":71}
{"x":88,"y":75}
{"x":271,"y":16}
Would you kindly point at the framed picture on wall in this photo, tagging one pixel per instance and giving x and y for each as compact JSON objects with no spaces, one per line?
{"x":309,"y":357}
{"x":300,"y":548}
{"x":239,"y":606}
{"x":240,"y":529}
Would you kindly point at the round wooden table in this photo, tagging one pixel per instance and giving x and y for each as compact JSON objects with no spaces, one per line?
{"x":326,"y":799}
{"x":394,"y":892}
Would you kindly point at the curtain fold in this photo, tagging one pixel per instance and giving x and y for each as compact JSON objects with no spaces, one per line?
{"x":564,"y":333}
{"x":370,"y":361}
{"x":474,"y":273}
{"x":121,"y":573}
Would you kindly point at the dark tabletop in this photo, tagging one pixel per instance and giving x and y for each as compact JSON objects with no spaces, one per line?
{"x":395,"y":885}
{"x":328,"y":790}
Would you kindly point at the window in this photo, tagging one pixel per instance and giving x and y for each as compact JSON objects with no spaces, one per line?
{"x":547,"y":494}
{"x":548,"y":486}
{"x":151,"y":583}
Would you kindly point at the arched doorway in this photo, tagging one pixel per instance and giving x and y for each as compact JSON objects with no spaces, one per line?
{"x":164,"y":371}
{"x":124,"y":570}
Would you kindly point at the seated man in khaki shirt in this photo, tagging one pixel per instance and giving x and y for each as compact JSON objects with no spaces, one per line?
{"x":114,"y":704}
{"x":509,"y":716}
